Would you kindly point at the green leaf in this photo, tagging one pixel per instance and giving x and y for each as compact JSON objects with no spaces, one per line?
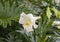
{"x":56,"y":12}
{"x":7,"y":13}
{"x":49,"y":24}
{"x":48,"y":13}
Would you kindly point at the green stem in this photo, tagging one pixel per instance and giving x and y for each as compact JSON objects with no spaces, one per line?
{"x":34,"y":36}
{"x":45,"y":39}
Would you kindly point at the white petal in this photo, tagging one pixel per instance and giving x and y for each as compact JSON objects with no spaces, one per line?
{"x":22,"y":14}
{"x":28,"y":29}
{"x":35,"y":26}
{"x":22,"y":18}
{"x":30,"y":16}
{"x":35,"y":18}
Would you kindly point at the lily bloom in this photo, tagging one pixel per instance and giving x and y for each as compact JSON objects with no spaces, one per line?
{"x":28,"y":21}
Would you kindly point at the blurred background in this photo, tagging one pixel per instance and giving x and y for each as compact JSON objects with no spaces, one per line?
{"x":10,"y":11}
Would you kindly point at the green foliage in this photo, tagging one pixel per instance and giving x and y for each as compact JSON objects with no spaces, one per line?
{"x":12,"y":31}
{"x":10,"y":11}
{"x":48,"y":13}
{"x":56,"y":12}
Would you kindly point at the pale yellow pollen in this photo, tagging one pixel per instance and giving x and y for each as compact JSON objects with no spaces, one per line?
{"x":28,"y":23}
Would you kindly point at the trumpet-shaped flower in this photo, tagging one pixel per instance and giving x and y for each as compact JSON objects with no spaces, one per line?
{"x":28,"y":21}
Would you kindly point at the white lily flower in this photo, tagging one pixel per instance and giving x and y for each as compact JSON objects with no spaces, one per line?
{"x":28,"y":21}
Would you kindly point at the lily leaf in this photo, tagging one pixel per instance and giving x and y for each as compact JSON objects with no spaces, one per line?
{"x":56,"y":12}
{"x":48,"y":13}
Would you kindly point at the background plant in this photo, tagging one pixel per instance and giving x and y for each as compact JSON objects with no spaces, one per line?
{"x":10,"y":11}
